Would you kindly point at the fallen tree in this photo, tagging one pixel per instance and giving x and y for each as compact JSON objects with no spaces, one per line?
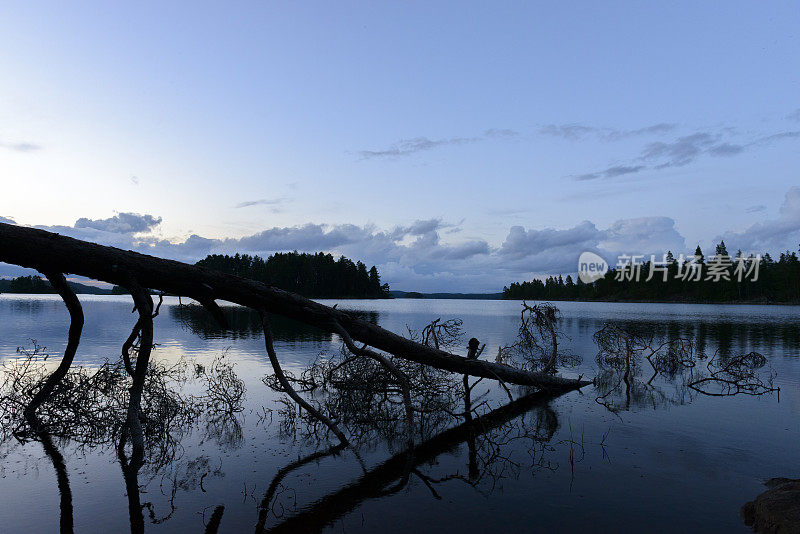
{"x":49,"y":252}
{"x":55,"y":255}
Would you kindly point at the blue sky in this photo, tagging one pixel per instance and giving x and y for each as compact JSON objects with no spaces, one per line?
{"x":457,"y":145}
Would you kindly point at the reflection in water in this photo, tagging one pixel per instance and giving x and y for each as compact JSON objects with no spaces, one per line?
{"x":88,"y":408}
{"x":244,"y":323}
{"x":723,"y":334}
{"x":496,"y":429}
{"x":678,"y":368}
{"x":365,"y":398}
{"x":62,"y":477}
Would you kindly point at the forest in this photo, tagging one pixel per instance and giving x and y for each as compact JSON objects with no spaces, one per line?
{"x":769,"y":281}
{"x":310,"y":275}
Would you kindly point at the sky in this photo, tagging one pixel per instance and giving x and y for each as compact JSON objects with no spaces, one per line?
{"x":458,"y":146}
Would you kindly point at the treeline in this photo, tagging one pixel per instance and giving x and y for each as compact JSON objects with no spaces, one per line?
{"x":311,"y":275}
{"x":26,"y":284}
{"x":777,"y":281}
{"x":37,"y":285}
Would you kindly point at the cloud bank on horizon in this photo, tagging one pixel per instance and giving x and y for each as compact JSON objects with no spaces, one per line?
{"x":415,"y":257}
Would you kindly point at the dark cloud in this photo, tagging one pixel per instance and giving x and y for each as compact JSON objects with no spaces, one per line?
{"x":122,"y":223}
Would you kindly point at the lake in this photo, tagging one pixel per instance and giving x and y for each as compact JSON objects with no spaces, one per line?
{"x":658,"y":458}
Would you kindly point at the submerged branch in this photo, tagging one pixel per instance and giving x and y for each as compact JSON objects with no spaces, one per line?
{"x":287,"y":386}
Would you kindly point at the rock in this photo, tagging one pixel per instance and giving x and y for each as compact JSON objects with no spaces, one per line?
{"x":777,"y":510}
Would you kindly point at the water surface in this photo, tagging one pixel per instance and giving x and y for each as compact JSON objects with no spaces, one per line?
{"x":668,"y":461}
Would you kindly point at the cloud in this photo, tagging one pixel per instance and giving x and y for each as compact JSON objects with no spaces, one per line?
{"x":755,"y":209}
{"x":261,"y":202}
{"x":776,"y":137}
{"x":576,"y":131}
{"x":611,"y":172}
{"x":502,"y":133}
{"x":654,"y":129}
{"x":642,"y":235}
{"x":21,"y":147}
{"x":419,"y":227}
{"x":135,"y":180}
{"x":679,"y":152}
{"x":794,"y":115}
{"x":122,"y":223}
{"x":406,"y":147}
{"x":772,"y":234}
{"x":308,"y":237}
{"x":551,"y":251}
{"x":726,"y":149}
{"x":521,"y":243}
{"x":568,"y":131}
{"x":684,"y":150}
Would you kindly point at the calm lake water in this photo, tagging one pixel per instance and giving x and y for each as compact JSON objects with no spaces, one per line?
{"x":667,"y":459}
